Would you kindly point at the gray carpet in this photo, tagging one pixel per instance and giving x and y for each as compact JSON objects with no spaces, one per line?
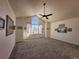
{"x":43,"y":48}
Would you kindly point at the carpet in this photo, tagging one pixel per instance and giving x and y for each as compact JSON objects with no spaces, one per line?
{"x":44,"y":48}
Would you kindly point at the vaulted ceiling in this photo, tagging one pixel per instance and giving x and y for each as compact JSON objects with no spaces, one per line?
{"x":61,"y":9}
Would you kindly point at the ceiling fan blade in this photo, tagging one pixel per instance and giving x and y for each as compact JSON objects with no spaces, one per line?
{"x":46,"y":17}
{"x":49,"y":14}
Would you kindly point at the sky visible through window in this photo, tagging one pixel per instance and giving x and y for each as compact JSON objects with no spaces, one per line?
{"x":35,"y":24}
{"x":35,"y":20}
{"x":35,"y":27}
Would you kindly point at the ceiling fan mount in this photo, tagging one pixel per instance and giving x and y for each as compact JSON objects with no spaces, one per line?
{"x":46,"y":16}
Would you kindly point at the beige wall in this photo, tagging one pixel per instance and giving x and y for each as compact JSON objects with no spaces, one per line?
{"x":48,"y":29}
{"x":6,"y":42}
{"x":71,"y":37}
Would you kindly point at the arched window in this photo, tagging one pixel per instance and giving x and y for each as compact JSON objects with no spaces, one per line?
{"x":35,"y":20}
{"x":36,"y":26}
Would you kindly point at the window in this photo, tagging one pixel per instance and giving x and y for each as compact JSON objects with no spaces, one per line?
{"x":36,"y":26}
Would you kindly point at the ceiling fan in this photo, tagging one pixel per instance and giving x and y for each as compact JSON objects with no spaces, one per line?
{"x":46,"y":16}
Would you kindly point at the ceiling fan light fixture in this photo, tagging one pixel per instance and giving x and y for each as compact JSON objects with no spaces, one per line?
{"x":46,"y":16}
